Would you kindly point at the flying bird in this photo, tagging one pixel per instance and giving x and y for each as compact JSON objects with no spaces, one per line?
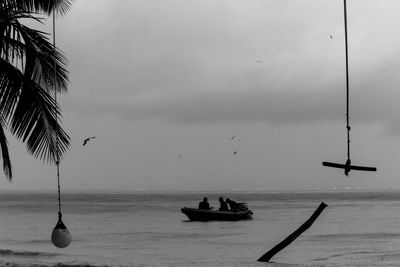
{"x":330,"y":36}
{"x":233,"y":137}
{"x":88,"y":139}
{"x":234,"y":153}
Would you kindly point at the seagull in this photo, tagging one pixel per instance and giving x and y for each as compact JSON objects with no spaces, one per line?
{"x":87,"y":140}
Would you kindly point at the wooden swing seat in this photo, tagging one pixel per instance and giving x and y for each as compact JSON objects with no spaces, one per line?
{"x":348,"y":167}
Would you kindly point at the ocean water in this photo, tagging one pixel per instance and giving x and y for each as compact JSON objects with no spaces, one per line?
{"x":143,"y":229}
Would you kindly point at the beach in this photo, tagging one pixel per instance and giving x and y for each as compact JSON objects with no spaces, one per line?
{"x":147,"y":229}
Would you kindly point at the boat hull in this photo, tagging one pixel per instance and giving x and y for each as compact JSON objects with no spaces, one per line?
{"x":215,"y":215}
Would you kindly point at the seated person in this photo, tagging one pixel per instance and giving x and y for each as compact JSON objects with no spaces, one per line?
{"x":222,"y":205}
{"x":204,"y":205}
{"x":233,"y":205}
{"x":236,"y":206}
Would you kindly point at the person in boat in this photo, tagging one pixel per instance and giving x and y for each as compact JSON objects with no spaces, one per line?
{"x":204,"y":205}
{"x":232,"y":205}
{"x":223,"y":206}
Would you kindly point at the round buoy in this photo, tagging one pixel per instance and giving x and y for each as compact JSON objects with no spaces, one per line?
{"x":60,"y":236}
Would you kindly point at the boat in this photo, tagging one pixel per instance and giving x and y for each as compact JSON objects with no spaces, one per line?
{"x":216,"y":215}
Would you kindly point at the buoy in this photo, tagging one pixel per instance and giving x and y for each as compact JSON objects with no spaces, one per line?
{"x":60,"y":236}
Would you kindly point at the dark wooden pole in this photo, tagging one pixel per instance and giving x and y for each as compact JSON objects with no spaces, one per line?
{"x":267,"y":256}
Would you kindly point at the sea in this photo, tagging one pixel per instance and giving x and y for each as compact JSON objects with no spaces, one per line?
{"x":357,"y":228}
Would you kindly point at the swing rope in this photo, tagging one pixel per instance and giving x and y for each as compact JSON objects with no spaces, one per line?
{"x":347,"y":166}
{"x":56,"y":117}
{"x":347,"y":85}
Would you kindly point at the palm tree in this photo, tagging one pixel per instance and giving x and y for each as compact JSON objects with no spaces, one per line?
{"x":28,"y":82}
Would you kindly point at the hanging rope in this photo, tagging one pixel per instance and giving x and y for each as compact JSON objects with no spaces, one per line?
{"x":60,"y":236}
{"x":347,"y":166}
{"x":348,"y":162}
{"x":56,"y":116}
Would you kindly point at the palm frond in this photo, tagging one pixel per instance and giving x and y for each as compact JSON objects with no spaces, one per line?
{"x":47,"y":6}
{"x":32,"y":48}
{"x":5,"y":155}
{"x":34,"y":121}
{"x":27,"y":81}
{"x":32,"y":112}
{"x":40,"y":60}
{"x":10,"y":83}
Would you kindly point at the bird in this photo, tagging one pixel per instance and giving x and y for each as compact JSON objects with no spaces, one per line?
{"x":233,"y":137}
{"x":331,"y":36}
{"x":179,"y":156}
{"x":87,"y":140}
{"x":259,"y":61}
{"x":235,"y":152}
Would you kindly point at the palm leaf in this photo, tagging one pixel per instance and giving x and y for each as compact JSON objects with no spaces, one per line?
{"x":10,"y":83}
{"x":46,"y":6}
{"x":28,"y":81}
{"x":20,"y":40}
{"x":11,"y":39}
{"x":4,"y":154}
{"x":40,"y":61}
{"x":32,"y":112}
{"x":34,"y":120}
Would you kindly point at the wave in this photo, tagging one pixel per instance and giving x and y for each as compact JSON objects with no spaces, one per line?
{"x":354,"y":236}
{"x":37,"y":241}
{"x":76,"y":265}
{"x":10,"y":264}
{"x":8,"y":252}
{"x":26,"y":255}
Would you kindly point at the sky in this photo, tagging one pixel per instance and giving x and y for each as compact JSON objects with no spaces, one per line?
{"x":172,"y":89}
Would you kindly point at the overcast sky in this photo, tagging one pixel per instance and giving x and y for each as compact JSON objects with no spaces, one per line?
{"x":165,"y":85}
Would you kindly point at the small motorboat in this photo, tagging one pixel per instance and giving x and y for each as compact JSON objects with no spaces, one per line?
{"x":216,"y":215}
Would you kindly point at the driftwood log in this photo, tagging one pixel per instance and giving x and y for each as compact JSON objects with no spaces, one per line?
{"x":267,"y":256}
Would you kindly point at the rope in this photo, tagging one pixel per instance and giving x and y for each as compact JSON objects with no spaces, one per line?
{"x":347,"y":166}
{"x":347,"y":85}
{"x":56,"y":117}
